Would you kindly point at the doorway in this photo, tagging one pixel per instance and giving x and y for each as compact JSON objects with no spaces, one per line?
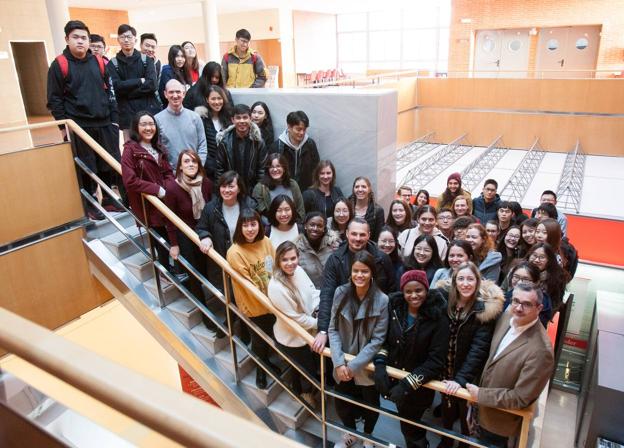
{"x":568,"y":52}
{"x":501,"y":53}
{"x":31,"y":66}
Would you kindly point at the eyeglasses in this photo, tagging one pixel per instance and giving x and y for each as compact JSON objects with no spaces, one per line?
{"x":341,"y":212}
{"x":97,"y":46}
{"x":538,"y":257}
{"x":445,"y":218}
{"x":387,"y":242}
{"x":126,"y":37}
{"x":513,"y":237}
{"x":523,"y":305}
{"x":520,"y":278}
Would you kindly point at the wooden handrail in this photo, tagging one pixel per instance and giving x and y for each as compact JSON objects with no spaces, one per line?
{"x":176,"y":415}
{"x":526,"y":413}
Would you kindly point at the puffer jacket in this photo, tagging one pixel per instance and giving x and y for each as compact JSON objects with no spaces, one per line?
{"x":420,"y":348}
{"x":211,"y":141}
{"x":212,"y":225}
{"x":485,"y":211}
{"x":257,"y":156}
{"x":142,"y":174}
{"x":490,"y":267}
{"x":313,"y":261}
{"x":350,"y":331}
{"x":472,"y":345}
{"x":302,"y":160}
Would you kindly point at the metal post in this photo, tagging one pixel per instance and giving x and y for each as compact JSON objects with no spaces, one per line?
{"x":161,"y":296}
{"x":226,"y":293}
{"x":323,"y":410}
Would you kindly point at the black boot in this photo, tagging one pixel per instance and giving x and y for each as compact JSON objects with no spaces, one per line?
{"x":261,"y":379}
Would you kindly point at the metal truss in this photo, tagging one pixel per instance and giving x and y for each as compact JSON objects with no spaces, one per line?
{"x":431,"y":167}
{"x":474,"y":173}
{"x":414,"y":151}
{"x":570,"y":187}
{"x":518,"y":184}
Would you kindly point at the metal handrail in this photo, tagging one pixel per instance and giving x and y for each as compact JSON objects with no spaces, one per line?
{"x":526,"y":413}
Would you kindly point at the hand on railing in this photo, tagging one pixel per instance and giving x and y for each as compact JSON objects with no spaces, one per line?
{"x":205,"y":245}
{"x":319,"y":343}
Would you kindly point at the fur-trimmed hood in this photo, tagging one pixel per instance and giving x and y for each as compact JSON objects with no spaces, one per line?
{"x":489,"y":304}
{"x":254,"y":133}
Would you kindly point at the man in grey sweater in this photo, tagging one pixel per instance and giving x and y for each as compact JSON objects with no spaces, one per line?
{"x":180,"y":128}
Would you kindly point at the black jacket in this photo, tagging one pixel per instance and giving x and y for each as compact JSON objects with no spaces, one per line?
{"x":132,"y":94}
{"x":420,"y":348}
{"x":484,"y":211}
{"x":374,"y":217}
{"x":338,"y":272}
{"x":211,"y":141}
{"x":472,"y":346}
{"x":84,"y":95}
{"x":301,"y":163}
{"x":314,"y":200}
{"x":257,"y":157}
{"x":212,"y":225}
{"x":195,"y":98}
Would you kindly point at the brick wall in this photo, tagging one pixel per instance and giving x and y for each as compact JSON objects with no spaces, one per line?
{"x":501,"y":14}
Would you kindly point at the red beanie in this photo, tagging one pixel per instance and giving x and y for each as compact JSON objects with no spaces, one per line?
{"x":414,"y":276}
{"x":455,"y":176}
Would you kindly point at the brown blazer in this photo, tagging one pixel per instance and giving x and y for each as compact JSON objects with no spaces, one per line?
{"x":515,"y":379}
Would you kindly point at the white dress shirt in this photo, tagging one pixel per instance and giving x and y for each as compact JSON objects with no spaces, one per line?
{"x":512,"y":334}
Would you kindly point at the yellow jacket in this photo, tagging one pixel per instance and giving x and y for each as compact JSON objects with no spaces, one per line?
{"x":248,"y":71}
{"x":254,"y":261}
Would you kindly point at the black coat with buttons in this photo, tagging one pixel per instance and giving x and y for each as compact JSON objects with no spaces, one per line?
{"x":419,"y":348}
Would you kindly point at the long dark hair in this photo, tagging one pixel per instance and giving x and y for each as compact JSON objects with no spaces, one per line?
{"x":556,"y":277}
{"x":275,"y":204}
{"x":268,"y":180}
{"x":435,"y":256}
{"x":205,"y":79}
{"x":317,"y":171}
{"x":267,"y":124}
{"x":532,"y":223}
{"x":226,"y":111}
{"x":134,"y":129}
{"x":366,"y":258}
{"x":462,"y":244}
{"x":194,"y":64}
{"x":247,"y":215}
{"x":394,"y":255}
{"x":227,"y":178}
{"x":178,"y":73}
{"x":345,"y":201}
{"x":390,"y":221}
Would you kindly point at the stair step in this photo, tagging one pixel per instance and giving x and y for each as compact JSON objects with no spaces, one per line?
{"x":121,"y":246}
{"x":208,"y":339}
{"x":140,"y":266}
{"x":170,"y":292}
{"x":101,"y":229}
{"x":288,"y":411}
{"x":186,"y":312}
{"x":245,"y":363}
{"x":265,"y":396}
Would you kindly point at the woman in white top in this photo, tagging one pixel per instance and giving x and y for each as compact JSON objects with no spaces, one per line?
{"x":283,"y":221}
{"x":292,"y":292}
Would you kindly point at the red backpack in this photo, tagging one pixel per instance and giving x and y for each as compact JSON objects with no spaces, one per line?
{"x":63,"y":63}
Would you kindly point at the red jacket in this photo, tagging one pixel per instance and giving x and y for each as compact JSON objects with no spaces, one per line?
{"x":141,"y":174}
{"x":179,"y":201}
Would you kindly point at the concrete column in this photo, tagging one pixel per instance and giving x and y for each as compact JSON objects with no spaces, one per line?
{"x":211,"y":30}
{"x":58,"y":16}
{"x":289,"y":77}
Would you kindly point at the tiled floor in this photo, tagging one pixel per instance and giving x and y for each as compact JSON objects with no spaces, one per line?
{"x":559,"y":420}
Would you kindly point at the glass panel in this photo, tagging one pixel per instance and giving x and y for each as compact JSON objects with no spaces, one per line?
{"x":420,"y":44}
{"x":488,"y":44}
{"x":515,"y":45}
{"x":351,"y":22}
{"x":582,"y":43}
{"x":352,"y":46}
{"x":385,"y":20}
{"x":424,"y":16}
{"x":445,"y":13}
{"x":385,"y":46}
{"x":354,"y":68}
{"x":443,"y":50}
{"x":552,"y":44}
{"x":381,"y":65}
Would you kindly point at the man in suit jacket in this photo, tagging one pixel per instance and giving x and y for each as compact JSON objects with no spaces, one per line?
{"x":519,"y":366}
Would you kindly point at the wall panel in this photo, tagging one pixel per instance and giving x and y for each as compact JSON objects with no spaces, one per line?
{"x":49,"y":282}
{"x":40,"y":189}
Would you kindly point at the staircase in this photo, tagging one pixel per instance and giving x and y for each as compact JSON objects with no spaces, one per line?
{"x":274,"y":406}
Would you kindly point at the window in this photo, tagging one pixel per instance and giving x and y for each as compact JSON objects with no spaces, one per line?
{"x":395,"y":39}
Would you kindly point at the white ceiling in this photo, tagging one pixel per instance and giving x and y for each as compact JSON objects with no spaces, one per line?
{"x":226,"y":6}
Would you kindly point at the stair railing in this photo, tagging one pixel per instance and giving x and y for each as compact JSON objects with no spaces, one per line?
{"x":231,"y":275}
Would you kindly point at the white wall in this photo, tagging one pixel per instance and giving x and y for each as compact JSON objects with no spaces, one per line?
{"x":315,"y":41}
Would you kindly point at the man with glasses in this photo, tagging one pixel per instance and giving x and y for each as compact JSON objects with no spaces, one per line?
{"x":242,"y":66}
{"x":97,"y":45}
{"x":518,"y":367}
{"x":79,"y":89}
{"x":134,"y":79}
{"x":445,"y":223}
{"x":485,"y":206}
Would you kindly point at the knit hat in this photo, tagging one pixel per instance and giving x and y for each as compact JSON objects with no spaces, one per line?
{"x":414,"y":276}
{"x":455,"y":176}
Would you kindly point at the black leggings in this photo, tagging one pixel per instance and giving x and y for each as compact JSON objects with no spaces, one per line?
{"x":258,"y":345}
{"x":452,"y":409}
{"x":306,"y":359}
{"x":348,"y":412}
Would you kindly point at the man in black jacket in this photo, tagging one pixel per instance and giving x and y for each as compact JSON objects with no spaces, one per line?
{"x":240,"y":148}
{"x":485,"y":206}
{"x":338,"y":272}
{"x":298,"y":148}
{"x":79,"y":89}
{"x":134,"y":79}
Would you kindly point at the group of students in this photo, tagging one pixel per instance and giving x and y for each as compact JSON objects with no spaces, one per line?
{"x":419,"y":288}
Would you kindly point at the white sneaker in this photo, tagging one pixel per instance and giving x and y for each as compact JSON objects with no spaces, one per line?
{"x":347,"y":441}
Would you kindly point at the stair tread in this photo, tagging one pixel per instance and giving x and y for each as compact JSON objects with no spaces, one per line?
{"x":138,"y":260}
{"x":151,"y":284}
{"x":118,"y":238}
{"x":286,"y":406}
{"x":183,"y":306}
{"x":250,"y":381}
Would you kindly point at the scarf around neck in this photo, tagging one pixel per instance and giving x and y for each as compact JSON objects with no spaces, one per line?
{"x":194,"y":188}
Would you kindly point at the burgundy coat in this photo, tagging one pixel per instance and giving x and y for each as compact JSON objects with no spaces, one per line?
{"x":179,"y":201}
{"x":141,"y":174}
